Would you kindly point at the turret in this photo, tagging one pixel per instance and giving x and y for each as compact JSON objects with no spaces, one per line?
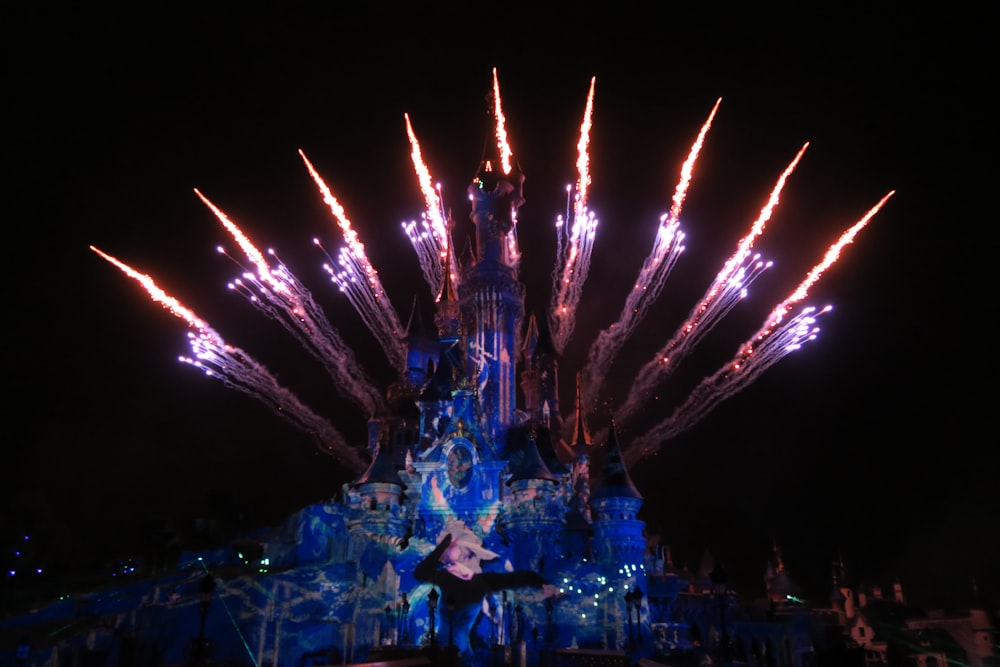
{"x":378,"y":512}
{"x":535,"y":513}
{"x":614,"y":505}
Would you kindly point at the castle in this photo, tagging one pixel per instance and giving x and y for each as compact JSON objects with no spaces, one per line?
{"x":478,"y":533}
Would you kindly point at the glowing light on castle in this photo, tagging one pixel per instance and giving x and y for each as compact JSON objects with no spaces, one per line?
{"x":460,"y":489}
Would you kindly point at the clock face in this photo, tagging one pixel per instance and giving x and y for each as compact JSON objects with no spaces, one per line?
{"x":459,"y":466}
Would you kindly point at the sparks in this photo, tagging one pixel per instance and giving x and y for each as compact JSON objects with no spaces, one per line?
{"x":776,"y":339}
{"x":574,"y":243}
{"x":506,"y":166}
{"x":238,"y":370}
{"x":728,"y":289}
{"x":359,"y":280}
{"x":271,"y":287}
{"x":431,"y":243}
{"x":667,"y":248}
{"x":277,"y":293}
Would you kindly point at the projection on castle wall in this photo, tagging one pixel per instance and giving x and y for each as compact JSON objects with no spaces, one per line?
{"x":482,"y":514}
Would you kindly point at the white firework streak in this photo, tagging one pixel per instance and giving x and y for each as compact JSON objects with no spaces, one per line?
{"x":359,"y":281}
{"x":574,"y":243}
{"x":238,"y":370}
{"x":772,"y":342}
{"x":667,"y":248}
{"x":277,"y":293}
{"x":729,"y":288}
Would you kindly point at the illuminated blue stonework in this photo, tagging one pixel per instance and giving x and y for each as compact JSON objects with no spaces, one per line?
{"x":532,"y":542}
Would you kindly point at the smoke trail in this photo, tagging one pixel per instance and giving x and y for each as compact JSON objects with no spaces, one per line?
{"x":238,"y":370}
{"x":574,"y":243}
{"x":277,"y":293}
{"x":359,"y":281}
{"x":667,"y":249}
{"x":728,"y":288}
{"x":772,"y":342}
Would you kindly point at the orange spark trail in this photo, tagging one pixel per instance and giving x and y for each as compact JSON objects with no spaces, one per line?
{"x":574,"y":243}
{"x":582,"y":148}
{"x":688,"y":168}
{"x":158,"y":295}
{"x":505,"y":152}
{"x":648,"y":285}
{"x":366,"y":295}
{"x":248,"y":248}
{"x":502,"y":145}
{"x":282,"y":297}
{"x":431,"y":246}
{"x":238,"y":370}
{"x":728,"y":288}
{"x":773,"y":341}
{"x":833,"y":253}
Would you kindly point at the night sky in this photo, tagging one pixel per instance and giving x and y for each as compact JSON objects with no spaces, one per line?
{"x":870,"y":442}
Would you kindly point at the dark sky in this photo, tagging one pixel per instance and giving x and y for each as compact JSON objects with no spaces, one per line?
{"x":870,"y":442}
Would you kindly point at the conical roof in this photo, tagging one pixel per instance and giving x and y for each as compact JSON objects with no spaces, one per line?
{"x":381,"y":470}
{"x":614,"y":481}
{"x":526,"y":463}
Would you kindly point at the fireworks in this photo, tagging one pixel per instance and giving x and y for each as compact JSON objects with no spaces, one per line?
{"x":667,"y":248}
{"x":431,"y":240}
{"x":277,"y":293}
{"x":358,"y":279}
{"x":728,"y":288}
{"x":272,"y":288}
{"x":575,"y":237}
{"x":239,"y":371}
{"x":772,"y":342}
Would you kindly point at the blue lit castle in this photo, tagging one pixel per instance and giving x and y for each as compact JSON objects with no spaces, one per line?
{"x":483,"y":530}
{"x":476,"y":528}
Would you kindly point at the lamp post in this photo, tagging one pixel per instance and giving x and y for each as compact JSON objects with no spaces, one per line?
{"x":206,"y":589}
{"x":637,"y":601}
{"x":432,"y":603}
{"x":628,"y":610}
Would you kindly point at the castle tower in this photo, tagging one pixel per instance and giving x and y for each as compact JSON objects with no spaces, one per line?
{"x":377,"y":511}
{"x":534,"y":511}
{"x":619,"y":538}
{"x":492,"y":298}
